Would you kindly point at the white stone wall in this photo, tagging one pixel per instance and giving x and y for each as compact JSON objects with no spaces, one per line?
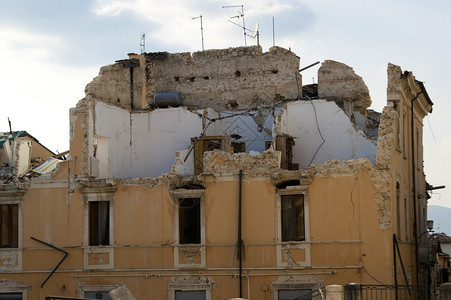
{"x":343,"y":140}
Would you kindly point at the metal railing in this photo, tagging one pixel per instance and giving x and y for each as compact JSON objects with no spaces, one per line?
{"x":401,"y":292}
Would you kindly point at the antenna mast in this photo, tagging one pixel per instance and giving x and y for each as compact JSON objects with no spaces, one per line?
{"x":239,"y":16}
{"x":201,"y":30}
{"x":143,"y":43}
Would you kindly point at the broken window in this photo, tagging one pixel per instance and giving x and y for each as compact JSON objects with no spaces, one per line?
{"x":9,"y":219}
{"x":191,"y":295}
{"x":189,"y":221}
{"x":293,"y":219}
{"x":99,"y":223}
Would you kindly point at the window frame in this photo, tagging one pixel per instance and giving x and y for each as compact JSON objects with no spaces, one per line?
{"x":191,"y":284}
{"x":294,"y":282}
{"x":105,"y":193}
{"x":94,"y":288}
{"x":10,"y":286}
{"x":91,"y":220}
{"x":13,"y":196}
{"x":292,"y":218}
{"x":179,"y":247}
{"x":283,"y":246}
{"x":10,"y":232}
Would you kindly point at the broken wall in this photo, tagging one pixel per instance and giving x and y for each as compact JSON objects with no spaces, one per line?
{"x":322,"y":132}
{"x":339,"y":81}
{"x":227,"y":79}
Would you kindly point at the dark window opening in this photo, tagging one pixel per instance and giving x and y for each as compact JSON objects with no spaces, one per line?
{"x":275,"y":71}
{"x":237,"y":73}
{"x":192,"y":79}
{"x":190,"y":295}
{"x":98,"y":295}
{"x":294,"y":294}
{"x":238,"y":147}
{"x":9,"y":220}
{"x":176,"y":78}
{"x":293,"y":226}
{"x":206,"y":77}
{"x":99,"y":223}
{"x":189,"y":220}
{"x":11,"y":296}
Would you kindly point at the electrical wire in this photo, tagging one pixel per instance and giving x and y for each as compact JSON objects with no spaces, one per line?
{"x":430,"y":128}
{"x":319,"y":130}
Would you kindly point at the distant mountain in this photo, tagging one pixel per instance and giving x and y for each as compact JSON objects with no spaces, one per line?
{"x":442,"y":218}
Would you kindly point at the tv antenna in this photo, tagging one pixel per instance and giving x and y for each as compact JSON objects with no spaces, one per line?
{"x":143,"y":43}
{"x":201,"y":30}
{"x":240,"y":15}
{"x":255,"y":32}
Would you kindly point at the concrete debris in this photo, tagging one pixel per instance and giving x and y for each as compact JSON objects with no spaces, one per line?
{"x":261,"y":165}
{"x":339,"y":81}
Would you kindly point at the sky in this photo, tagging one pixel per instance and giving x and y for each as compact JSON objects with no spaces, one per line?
{"x":50,"y":50}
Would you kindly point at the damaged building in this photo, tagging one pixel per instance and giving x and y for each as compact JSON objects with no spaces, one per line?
{"x":216,"y":175}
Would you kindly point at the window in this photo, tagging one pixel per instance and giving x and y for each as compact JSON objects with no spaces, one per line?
{"x":189,"y":227}
{"x":283,"y":294}
{"x":293,"y":219}
{"x":11,"y":296}
{"x":9,"y":220}
{"x":98,"y":295}
{"x":99,"y":223}
{"x":96,"y":291}
{"x":191,"y":295}
{"x":189,"y":220}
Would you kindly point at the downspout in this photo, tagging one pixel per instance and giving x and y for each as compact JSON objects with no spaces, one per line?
{"x":131,"y":89}
{"x":239,"y":244}
{"x":414,"y":188}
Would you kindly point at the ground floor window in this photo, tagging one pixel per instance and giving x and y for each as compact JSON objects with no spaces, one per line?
{"x":190,"y":295}
{"x":98,"y":295}
{"x":11,"y":296}
{"x":96,"y":291}
{"x":289,"y":294}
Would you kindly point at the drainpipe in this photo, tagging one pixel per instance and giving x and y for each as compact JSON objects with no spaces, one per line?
{"x":414,"y":192}
{"x":239,"y":245}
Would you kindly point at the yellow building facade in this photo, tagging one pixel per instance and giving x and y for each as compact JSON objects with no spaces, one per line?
{"x":268,"y":193}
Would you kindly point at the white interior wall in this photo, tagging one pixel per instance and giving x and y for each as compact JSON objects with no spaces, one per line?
{"x":245,"y":126}
{"x":22,"y":152}
{"x":113,"y":123}
{"x":102,"y":155}
{"x":343,"y":140}
{"x":158,"y":135}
